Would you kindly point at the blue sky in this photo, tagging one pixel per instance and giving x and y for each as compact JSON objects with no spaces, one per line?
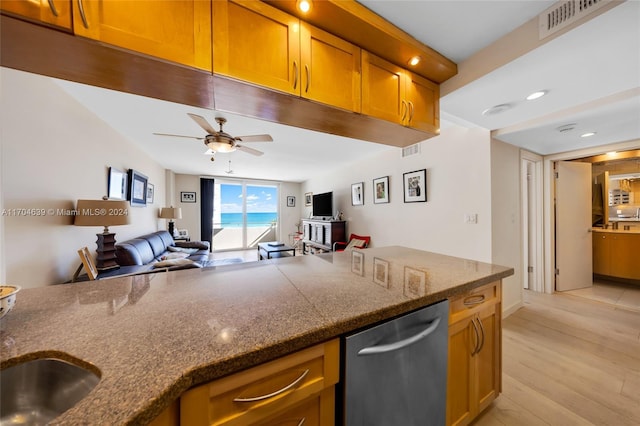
{"x":260,"y":199}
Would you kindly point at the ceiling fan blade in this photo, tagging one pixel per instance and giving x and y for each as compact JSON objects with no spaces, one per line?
{"x":202,"y":122}
{"x":178,"y":136}
{"x":249,"y":150}
{"x":255,"y":138}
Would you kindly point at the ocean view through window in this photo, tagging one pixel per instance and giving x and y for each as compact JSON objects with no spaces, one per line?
{"x":244,"y":214}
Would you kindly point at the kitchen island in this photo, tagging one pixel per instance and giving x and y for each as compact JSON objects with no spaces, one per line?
{"x":152,"y":337}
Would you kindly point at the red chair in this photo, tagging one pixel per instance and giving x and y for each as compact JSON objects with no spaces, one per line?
{"x":355,"y":241}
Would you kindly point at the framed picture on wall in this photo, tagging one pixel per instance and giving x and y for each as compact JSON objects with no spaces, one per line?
{"x":188,"y":197}
{"x":291,"y":201}
{"x":415,"y":186}
{"x":381,"y":190}
{"x":308,"y":198}
{"x":150,"y":193}
{"x":357,"y":194}
{"x":117,"y":184}
{"x":137,"y":188}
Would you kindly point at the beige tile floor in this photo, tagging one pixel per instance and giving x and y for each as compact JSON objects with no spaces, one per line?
{"x":623,"y":296}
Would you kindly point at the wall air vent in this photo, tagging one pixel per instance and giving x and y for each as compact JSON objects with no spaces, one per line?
{"x":565,"y":13}
{"x":411,"y":150}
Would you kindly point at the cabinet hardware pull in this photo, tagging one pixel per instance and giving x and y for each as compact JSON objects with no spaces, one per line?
{"x":302,"y":421}
{"x":410,"y":111}
{"x":477,"y":333}
{"x":295,"y":74}
{"x":473,"y":300}
{"x":483,"y":336}
{"x":52,"y":6}
{"x":276,"y":393}
{"x":306,"y":69}
{"x":404,"y":110}
{"x":373,"y":350}
{"x":82,"y":15}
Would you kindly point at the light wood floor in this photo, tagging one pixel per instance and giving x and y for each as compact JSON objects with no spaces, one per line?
{"x":568,"y":360}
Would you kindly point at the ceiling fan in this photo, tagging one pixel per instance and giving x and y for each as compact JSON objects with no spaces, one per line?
{"x":219,"y":141}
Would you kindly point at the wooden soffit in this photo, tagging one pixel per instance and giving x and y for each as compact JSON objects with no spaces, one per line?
{"x":355,"y":23}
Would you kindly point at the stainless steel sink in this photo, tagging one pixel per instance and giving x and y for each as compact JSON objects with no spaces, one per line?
{"x":35,"y":392}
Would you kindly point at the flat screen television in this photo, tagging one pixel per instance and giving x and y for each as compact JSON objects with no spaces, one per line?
{"x":323,"y":204}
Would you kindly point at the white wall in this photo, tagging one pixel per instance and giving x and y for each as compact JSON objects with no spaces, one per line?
{"x":55,"y":152}
{"x":506,"y":246}
{"x":458,"y":183}
{"x":190,"y":211}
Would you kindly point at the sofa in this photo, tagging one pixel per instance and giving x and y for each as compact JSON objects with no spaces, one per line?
{"x":158,"y":251}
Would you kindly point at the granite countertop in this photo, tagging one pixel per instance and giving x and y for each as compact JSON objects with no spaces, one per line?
{"x":624,"y":219}
{"x":620,"y":230}
{"x":153,"y":336}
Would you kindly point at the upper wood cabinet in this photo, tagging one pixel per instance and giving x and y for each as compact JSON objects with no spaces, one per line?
{"x":257,"y":43}
{"x":392,"y":93}
{"x":53,"y":12}
{"x":175,"y":30}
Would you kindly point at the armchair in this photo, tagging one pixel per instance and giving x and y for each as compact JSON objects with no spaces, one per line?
{"x":355,"y":241}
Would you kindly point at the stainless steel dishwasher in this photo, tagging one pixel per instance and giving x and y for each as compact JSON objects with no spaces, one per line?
{"x":395,"y":373}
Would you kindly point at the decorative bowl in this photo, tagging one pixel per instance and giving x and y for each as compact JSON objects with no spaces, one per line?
{"x":7,"y":298}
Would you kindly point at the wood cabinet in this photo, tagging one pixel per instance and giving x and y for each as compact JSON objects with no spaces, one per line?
{"x":51,"y":12}
{"x":322,"y":233}
{"x":392,"y":93}
{"x":260,"y":44}
{"x":615,"y":254}
{"x":298,"y":387}
{"x":601,"y":253}
{"x":175,"y":30}
{"x":475,"y":350}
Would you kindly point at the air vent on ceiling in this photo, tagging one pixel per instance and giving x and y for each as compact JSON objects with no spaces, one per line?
{"x":565,"y":13}
{"x":411,"y":150}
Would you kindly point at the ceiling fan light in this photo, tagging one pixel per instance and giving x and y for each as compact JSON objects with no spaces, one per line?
{"x":221,"y":147}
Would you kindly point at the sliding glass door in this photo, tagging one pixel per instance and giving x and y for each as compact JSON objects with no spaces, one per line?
{"x":245,"y":213}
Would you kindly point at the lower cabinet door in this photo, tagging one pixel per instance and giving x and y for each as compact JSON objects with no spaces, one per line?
{"x":462,"y":340}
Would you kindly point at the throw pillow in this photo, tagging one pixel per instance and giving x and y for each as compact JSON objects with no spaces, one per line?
{"x":174,"y":262}
{"x":355,"y":243}
{"x":176,"y":255}
{"x":201,"y":245}
{"x":182,"y":249}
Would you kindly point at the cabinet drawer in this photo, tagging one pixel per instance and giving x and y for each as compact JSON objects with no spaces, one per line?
{"x":315,"y":411}
{"x":477,"y":298}
{"x":263,"y":391}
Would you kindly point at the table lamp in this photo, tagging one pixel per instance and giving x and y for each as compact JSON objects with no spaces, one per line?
{"x":103,"y":213}
{"x":171,"y":213}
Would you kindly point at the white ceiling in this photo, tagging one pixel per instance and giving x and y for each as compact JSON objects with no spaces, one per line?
{"x":592,"y":74}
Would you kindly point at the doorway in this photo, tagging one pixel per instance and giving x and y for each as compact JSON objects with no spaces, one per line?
{"x":532,"y":249}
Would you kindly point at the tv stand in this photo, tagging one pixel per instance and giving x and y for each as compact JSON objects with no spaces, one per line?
{"x":322,"y":233}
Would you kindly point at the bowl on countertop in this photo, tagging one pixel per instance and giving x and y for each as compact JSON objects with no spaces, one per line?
{"x":7,"y":298}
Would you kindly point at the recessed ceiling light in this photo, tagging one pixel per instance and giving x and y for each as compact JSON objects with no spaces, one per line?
{"x":588,"y":134}
{"x":304,"y":5}
{"x":414,"y":61}
{"x":496,"y":109}
{"x":566,"y":128}
{"x":537,"y":95}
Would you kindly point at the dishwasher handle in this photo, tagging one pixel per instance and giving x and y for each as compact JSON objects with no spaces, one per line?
{"x":374,"y":350}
